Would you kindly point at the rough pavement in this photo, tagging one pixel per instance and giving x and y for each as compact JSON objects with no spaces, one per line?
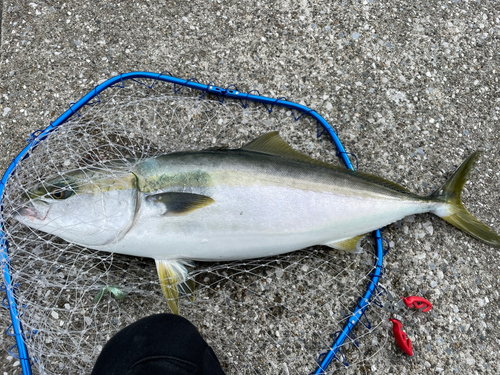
{"x":412,"y":87}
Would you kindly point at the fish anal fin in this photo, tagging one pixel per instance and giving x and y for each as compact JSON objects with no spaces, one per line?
{"x":351,"y":244}
{"x":174,"y":279}
{"x":180,"y":203}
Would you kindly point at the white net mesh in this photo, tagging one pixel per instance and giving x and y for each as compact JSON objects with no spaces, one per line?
{"x":267,"y":316}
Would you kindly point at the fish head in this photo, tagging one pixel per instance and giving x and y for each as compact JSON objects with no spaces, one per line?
{"x":88,"y":207}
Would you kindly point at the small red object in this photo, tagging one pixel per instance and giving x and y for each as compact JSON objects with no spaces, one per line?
{"x":418,"y":303}
{"x":403,"y":342}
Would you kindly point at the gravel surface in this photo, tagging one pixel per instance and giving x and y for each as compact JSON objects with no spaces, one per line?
{"x":412,"y":87}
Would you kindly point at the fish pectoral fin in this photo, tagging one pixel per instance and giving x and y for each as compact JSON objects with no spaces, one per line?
{"x":351,"y":244}
{"x":180,"y":203}
{"x":174,"y":278}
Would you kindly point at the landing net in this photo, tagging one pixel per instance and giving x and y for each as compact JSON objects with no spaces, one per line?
{"x":268,"y":316}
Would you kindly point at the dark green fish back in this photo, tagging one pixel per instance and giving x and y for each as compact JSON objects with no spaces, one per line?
{"x":273,"y":144}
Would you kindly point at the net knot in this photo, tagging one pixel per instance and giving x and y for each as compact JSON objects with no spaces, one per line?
{"x":34,"y":135}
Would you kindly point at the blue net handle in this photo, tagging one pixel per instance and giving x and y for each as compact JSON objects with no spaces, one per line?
{"x":230,"y":92}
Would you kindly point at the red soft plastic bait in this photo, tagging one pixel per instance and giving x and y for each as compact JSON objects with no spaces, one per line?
{"x":418,"y":303}
{"x":403,"y":342}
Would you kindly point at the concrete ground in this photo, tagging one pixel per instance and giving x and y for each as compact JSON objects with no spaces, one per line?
{"x":412,"y":87}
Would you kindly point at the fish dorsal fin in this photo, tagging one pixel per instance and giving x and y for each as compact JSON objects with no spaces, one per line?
{"x":217,"y":148}
{"x":351,"y":244}
{"x":273,"y":144}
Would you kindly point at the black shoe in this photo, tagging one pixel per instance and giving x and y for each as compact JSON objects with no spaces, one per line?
{"x":163,"y":344}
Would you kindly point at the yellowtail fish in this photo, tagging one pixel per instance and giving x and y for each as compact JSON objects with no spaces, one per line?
{"x":219,"y":204}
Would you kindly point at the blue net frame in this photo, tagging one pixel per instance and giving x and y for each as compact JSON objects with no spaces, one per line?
{"x":358,"y":315}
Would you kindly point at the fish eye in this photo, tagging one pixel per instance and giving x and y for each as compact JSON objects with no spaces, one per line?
{"x":59,"y":193}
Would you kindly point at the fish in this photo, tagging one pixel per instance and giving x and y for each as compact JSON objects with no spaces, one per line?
{"x":222,"y":204}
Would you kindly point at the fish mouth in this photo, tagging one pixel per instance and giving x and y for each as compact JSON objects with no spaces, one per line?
{"x":31,"y":214}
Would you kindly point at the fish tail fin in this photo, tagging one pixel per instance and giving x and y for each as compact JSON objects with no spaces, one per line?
{"x":174,"y":278}
{"x":455,"y":212}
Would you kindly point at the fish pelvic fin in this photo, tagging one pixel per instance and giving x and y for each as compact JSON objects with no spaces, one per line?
{"x":455,"y":213}
{"x":174,"y":279}
{"x":351,"y":245}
